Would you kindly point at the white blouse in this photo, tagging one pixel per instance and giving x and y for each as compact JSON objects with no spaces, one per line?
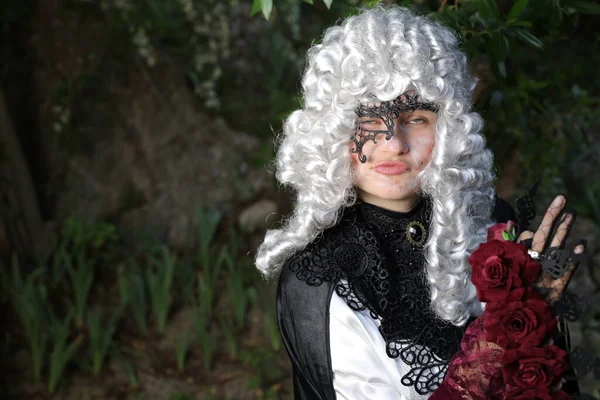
{"x":361,"y":368}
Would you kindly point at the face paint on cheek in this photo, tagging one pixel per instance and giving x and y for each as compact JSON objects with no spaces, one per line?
{"x":421,"y":151}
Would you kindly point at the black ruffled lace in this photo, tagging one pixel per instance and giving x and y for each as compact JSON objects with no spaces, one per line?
{"x":374,"y":265}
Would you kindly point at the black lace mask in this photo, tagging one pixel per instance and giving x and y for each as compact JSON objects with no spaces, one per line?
{"x":385,"y":113}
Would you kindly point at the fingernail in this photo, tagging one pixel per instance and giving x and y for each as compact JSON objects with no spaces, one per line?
{"x":558,"y":201}
{"x":573,"y":213}
{"x":582,"y":242}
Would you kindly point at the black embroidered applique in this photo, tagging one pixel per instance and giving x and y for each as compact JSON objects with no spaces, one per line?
{"x":526,"y":207}
{"x":555,"y":262}
{"x":373,"y":265}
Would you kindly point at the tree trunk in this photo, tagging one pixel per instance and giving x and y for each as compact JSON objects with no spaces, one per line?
{"x":27,"y":234}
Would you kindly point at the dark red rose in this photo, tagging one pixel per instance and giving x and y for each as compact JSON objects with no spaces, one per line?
{"x":535,"y":367}
{"x":522,"y":319}
{"x":536,"y":394}
{"x":500,"y":266}
{"x":495,"y":231}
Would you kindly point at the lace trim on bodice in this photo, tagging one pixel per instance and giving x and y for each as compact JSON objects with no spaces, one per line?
{"x":374,"y":265}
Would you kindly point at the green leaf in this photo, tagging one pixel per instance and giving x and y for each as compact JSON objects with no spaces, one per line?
{"x":256,"y":6}
{"x":499,"y":44}
{"x":308,"y":1}
{"x":328,"y":3}
{"x":473,"y":44}
{"x":517,"y":9}
{"x":208,"y":222}
{"x":505,"y":235}
{"x":512,"y":233}
{"x":585,"y":7}
{"x":372,"y":3}
{"x":556,"y":13}
{"x":526,"y":24}
{"x":529,"y":38}
{"x":488,"y":10}
{"x":502,"y":68}
{"x":267,"y":6}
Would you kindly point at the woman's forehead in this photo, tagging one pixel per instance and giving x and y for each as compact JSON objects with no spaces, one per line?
{"x":408,"y":101}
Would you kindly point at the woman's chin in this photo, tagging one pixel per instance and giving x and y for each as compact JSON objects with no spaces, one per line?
{"x":393,"y":200}
{"x":396,"y":193}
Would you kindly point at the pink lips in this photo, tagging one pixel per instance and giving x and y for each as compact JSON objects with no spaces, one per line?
{"x":392,"y":168}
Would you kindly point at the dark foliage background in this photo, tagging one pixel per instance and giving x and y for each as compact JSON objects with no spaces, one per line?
{"x":135,"y":142}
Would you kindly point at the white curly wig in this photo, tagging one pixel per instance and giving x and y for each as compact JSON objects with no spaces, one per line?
{"x":382,"y":53}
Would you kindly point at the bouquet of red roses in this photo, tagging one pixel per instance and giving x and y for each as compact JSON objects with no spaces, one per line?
{"x":517,"y":317}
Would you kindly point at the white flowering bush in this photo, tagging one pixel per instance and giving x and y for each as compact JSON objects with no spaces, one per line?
{"x":194,"y":33}
{"x":226,"y":54}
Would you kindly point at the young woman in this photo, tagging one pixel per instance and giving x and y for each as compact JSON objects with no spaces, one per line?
{"x":394,"y":192}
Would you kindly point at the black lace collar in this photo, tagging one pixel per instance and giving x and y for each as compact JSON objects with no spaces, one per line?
{"x":375,"y":265}
{"x":397,"y":215}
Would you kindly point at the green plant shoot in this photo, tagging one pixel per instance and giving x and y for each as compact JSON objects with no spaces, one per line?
{"x":101,"y":336}
{"x":81,"y":276}
{"x":62,"y":351}
{"x":206,"y":338}
{"x":159,"y":277}
{"x":29,"y":298}
{"x":182,"y":346}
{"x":132,"y":289}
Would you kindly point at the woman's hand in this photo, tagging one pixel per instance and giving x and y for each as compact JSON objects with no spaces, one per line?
{"x":537,"y":242}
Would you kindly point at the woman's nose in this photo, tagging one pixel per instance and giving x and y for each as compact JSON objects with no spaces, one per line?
{"x":397,"y":143}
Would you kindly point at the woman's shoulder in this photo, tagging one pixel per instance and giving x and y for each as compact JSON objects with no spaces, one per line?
{"x":316,"y":262}
{"x":308,"y":277}
{"x":303,"y":304}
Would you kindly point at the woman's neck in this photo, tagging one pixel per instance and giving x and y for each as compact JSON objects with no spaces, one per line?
{"x":401,"y":205}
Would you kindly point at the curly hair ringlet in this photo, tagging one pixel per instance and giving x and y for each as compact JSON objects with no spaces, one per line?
{"x":381,"y":53}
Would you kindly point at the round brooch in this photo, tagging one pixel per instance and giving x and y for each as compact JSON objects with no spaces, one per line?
{"x":351,"y":258}
{"x":416,"y":233}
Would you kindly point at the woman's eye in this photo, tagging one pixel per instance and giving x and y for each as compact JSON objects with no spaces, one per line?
{"x":372,"y":124}
{"x":417,"y":121}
